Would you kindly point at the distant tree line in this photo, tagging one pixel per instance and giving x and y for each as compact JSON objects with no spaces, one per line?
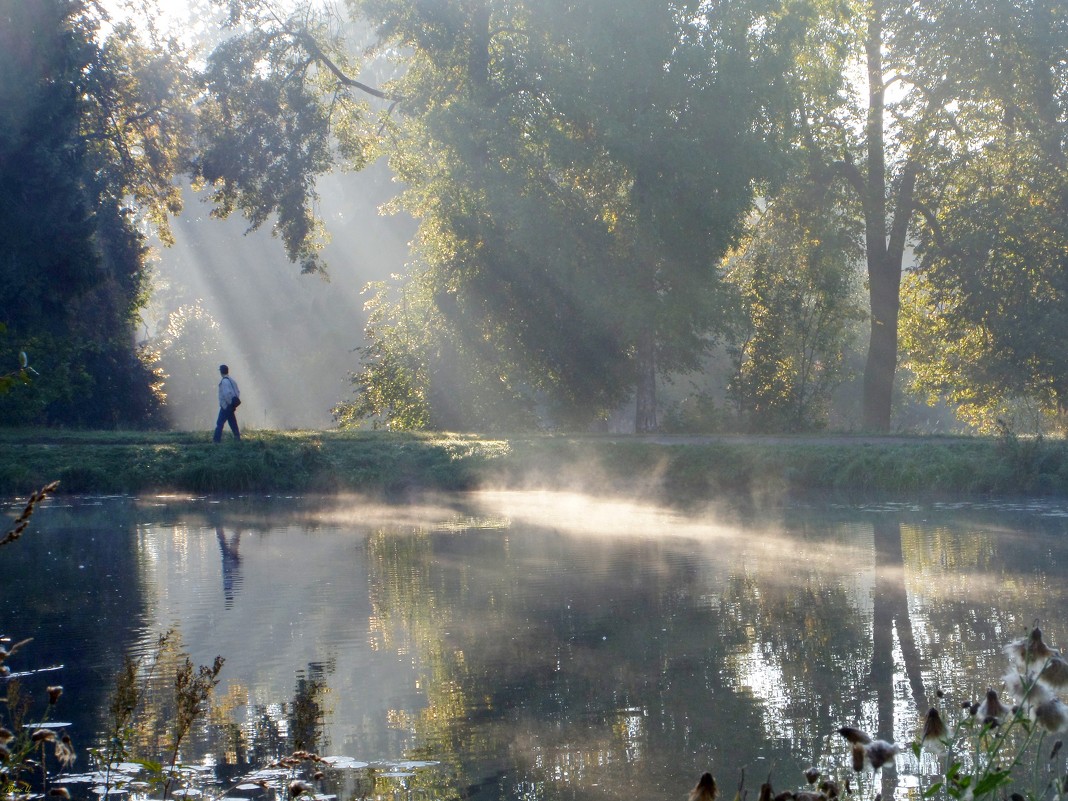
{"x":608,"y":195}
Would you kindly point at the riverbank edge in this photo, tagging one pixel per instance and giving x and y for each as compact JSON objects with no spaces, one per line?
{"x":386,"y":463}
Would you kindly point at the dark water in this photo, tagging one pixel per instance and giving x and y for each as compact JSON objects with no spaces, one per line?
{"x":530,"y":646}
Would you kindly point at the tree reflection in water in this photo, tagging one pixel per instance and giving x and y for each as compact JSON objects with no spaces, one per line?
{"x":890,"y":614}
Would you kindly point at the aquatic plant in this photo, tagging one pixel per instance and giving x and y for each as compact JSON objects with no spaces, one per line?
{"x":190,"y":688}
{"x":19,"y":740}
{"x":25,"y":745}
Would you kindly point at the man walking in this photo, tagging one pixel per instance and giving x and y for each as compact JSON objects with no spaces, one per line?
{"x":229,"y":400}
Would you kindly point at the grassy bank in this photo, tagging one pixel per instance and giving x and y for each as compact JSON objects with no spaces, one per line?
{"x":375,"y":462}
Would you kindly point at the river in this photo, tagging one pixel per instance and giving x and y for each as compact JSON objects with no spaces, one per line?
{"x":526,"y":645}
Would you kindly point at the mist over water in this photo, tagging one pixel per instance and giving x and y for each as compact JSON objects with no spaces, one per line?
{"x":288,"y":338}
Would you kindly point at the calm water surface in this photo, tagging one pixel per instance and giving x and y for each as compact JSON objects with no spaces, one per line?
{"x":533,"y":645}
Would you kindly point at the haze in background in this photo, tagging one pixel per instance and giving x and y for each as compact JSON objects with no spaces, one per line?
{"x":221,"y":296}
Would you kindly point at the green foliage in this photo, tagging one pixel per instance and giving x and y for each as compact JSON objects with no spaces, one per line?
{"x":413,"y":380}
{"x":570,"y":220}
{"x":187,"y":345}
{"x":89,"y":129}
{"x":86,"y":383}
{"x":275,"y":118}
{"x":392,"y":386}
{"x":796,"y":274}
{"x":698,"y":413}
{"x":902,"y":140}
{"x":988,"y":324}
{"x":577,"y":172}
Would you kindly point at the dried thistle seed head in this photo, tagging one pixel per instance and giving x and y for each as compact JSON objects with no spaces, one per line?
{"x":1037,"y":645}
{"x":812,"y":774}
{"x":1026,"y":688}
{"x":935,"y":732}
{"x":1055,"y":672}
{"x":54,"y":692}
{"x":4,"y":753}
{"x":298,"y":787}
{"x":5,"y":736}
{"x":879,"y":752}
{"x":809,"y":795}
{"x":1029,"y":651}
{"x":1052,"y":715}
{"x":318,"y":775}
{"x":854,"y":735}
{"x":705,"y":789}
{"x":992,"y":712}
{"x":59,"y":792}
{"x":43,"y":736}
{"x":829,"y":787}
{"x":785,"y":795}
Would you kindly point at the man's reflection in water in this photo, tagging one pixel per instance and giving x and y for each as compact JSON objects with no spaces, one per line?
{"x":231,"y":563}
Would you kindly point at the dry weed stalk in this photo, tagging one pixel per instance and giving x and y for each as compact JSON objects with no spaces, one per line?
{"x":23,"y":520}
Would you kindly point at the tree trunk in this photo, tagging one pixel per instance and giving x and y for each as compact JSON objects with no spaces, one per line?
{"x":884,"y":258}
{"x":885,"y":297}
{"x":645,"y":262}
{"x":645,"y":392}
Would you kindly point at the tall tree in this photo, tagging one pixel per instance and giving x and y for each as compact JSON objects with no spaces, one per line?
{"x":89,"y":140}
{"x":576,"y":170}
{"x":929,"y":75}
{"x":280,"y":110}
{"x":880,"y":146}
{"x":678,"y":97}
{"x":993,"y":276}
{"x":797,"y":275}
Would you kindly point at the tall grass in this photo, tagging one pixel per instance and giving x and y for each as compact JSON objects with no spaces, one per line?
{"x":387,"y":463}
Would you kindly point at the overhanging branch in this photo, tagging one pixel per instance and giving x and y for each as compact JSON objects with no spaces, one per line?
{"x":322,"y":58}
